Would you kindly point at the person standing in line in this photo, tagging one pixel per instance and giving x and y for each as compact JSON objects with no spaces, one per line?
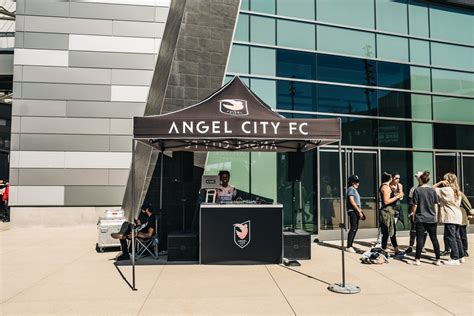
{"x":451,"y":216}
{"x":5,"y":199}
{"x":354,"y":211}
{"x":411,"y":217}
{"x":467,"y":211}
{"x":387,"y":213}
{"x":396,"y":188}
{"x":424,"y":207}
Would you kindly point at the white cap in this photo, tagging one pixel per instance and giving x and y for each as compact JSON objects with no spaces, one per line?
{"x":418,"y":174}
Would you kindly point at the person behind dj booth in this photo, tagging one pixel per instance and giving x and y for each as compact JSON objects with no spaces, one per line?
{"x":226,"y":192}
{"x":145,"y":227}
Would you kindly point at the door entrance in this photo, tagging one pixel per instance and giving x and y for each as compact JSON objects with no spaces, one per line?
{"x":363,"y":163}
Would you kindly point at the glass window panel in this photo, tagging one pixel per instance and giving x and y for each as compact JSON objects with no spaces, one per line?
{"x":394,"y":134}
{"x":468,"y":171}
{"x":452,"y":136}
{"x":392,"y":48}
{"x":400,"y":162}
{"x":421,"y":106}
{"x":296,"y":8}
{"x":451,"y":24}
{"x":418,"y":17}
{"x":263,"y":175}
{"x":452,"y":56}
{"x":445,"y":81}
{"x":423,"y":161}
{"x":349,"y":42}
{"x":420,"y":78}
{"x":242,"y":30}
{"x":453,"y":109}
{"x":419,"y":52}
{"x":239,"y":59}
{"x":262,"y":61}
{"x":422,"y":135}
{"x":296,"y":96}
{"x":298,"y":197}
{"x":329,"y":190}
{"x":236,"y":163}
{"x":262,"y":30}
{"x":346,"y":69}
{"x":246,"y":81}
{"x":265,"y":6}
{"x":296,"y":34}
{"x":359,"y":132}
{"x":296,"y":64}
{"x":358,"y":13}
{"x":265,"y":90}
{"x":337,"y":99}
{"x":245,"y":5}
{"x":393,"y":75}
{"x":393,"y":103}
{"x":392,"y":16}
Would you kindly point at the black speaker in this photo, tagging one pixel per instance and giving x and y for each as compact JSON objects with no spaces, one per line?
{"x":184,"y":165}
{"x":297,"y":245}
{"x":182,"y":247}
{"x":295,"y":165}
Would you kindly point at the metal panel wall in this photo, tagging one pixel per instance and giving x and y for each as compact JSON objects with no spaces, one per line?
{"x":82,"y":71}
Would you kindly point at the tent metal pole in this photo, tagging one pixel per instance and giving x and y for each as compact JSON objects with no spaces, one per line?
{"x":341,"y":208}
{"x":161,"y":180}
{"x":342,"y":288}
{"x":133,"y":214}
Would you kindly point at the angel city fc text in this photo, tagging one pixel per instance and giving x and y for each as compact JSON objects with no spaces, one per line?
{"x":247,"y":127}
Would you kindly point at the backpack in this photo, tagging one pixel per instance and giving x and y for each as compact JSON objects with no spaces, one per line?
{"x":375,"y":256}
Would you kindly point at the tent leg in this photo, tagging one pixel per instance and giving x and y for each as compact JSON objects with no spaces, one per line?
{"x":342,"y":288}
{"x":161,"y":179}
{"x":133,"y":213}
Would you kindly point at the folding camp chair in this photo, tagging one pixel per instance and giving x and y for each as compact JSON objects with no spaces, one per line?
{"x":147,"y":246}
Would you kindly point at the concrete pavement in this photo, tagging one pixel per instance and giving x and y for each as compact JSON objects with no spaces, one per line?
{"x":57,"y":271}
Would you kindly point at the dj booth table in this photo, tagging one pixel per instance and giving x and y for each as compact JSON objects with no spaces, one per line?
{"x":240,"y":233}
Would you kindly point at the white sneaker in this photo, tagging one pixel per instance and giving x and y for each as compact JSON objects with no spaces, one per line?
{"x":378,"y":245}
{"x":351,"y":250}
{"x":452,"y":262}
{"x":462,"y":260}
{"x":415,"y":263}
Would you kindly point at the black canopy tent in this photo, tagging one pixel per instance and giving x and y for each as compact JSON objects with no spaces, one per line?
{"x":232,"y":119}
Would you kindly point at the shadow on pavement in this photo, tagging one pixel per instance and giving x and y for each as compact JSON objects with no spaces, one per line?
{"x":306,"y":275}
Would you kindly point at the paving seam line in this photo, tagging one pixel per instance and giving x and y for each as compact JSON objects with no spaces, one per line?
{"x":403,"y":286}
{"x":151,"y":289}
{"x":281,"y":291}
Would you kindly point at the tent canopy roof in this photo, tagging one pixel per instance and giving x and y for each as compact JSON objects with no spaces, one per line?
{"x":233,"y":119}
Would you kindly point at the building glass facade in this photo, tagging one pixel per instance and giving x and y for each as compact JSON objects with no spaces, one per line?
{"x":400,"y":75}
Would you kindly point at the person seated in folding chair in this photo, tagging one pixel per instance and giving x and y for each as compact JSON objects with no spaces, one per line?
{"x":145,"y":228}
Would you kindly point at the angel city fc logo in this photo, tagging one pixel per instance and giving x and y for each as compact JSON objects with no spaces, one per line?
{"x":242,"y":234}
{"x":235,"y":107}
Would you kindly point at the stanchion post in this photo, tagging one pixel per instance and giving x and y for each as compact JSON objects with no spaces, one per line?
{"x":132,"y":211}
{"x":342,"y":288}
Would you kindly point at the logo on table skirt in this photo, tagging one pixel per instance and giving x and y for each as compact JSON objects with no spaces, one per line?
{"x":235,"y":107}
{"x":242,"y":234}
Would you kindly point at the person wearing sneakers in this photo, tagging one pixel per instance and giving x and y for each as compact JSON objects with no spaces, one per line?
{"x":354,"y":210}
{"x":424,"y":207}
{"x":145,"y":227}
{"x":411,"y":217}
{"x":467,"y":212}
{"x":450,"y":215}
{"x":387,"y":213}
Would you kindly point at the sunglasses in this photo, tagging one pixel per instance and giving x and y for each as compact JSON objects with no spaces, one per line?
{"x":397,"y":178}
